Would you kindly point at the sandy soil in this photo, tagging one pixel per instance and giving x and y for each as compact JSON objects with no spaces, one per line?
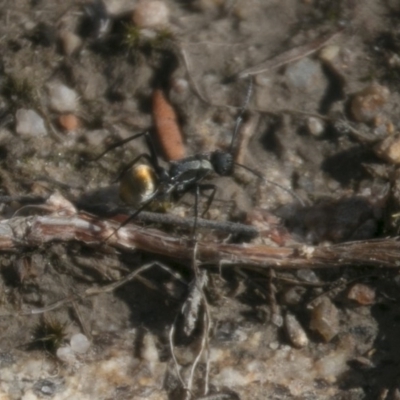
{"x":322,"y":121}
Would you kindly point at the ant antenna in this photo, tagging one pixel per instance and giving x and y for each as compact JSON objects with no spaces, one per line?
{"x":135,"y":214}
{"x":151,"y":158}
{"x":118,"y":144}
{"x":239,"y":119}
{"x":260,"y":176}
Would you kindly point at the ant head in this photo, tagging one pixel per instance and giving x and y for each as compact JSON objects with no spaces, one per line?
{"x":222,"y":162}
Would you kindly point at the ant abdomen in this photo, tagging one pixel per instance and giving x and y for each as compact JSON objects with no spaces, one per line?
{"x":137,"y":186}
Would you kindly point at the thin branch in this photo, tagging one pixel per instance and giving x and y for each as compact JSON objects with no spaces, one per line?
{"x":18,"y":233}
{"x":231,"y":228}
{"x":174,"y":359}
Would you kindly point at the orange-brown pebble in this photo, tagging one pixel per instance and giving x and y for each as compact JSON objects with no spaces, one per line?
{"x":325,"y":319}
{"x":362,"y":294}
{"x":169,"y":134}
{"x":389,"y":149}
{"x":68,"y":122}
{"x":367,"y":104}
{"x":390,"y":128}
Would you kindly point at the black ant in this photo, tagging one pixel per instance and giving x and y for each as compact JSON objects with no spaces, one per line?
{"x":145,"y":185}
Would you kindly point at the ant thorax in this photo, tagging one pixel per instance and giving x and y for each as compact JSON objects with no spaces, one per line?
{"x":188,"y":171}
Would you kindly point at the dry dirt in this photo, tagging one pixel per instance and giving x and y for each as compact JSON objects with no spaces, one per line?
{"x":301,"y":130}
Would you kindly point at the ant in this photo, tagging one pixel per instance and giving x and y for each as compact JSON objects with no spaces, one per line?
{"x":145,"y":185}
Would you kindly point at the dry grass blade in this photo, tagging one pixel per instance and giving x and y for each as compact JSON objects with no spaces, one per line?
{"x":288,"y":56}
{"x":93,"y":291}
{"x":192,"y":305}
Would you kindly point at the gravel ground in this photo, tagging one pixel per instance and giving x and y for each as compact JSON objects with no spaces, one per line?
{"x":321,"y":120}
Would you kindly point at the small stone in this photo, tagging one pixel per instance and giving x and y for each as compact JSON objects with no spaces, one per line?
{"x":295,"y":331}
{"x":315,"y":126}
{"x":68,"y":122}
{"x":29,"y":123}
{"x":332,"y":365}
{"x":325,"y":319}
{"x":62,"y":99}
{"x":149,"y":350}
{"x":329,"y":53}
{"x":293,"y":295}
{"x":151,"y":14}
{"x":274,"y":345}
{"x":277,"y":319}
{"x":118,"y":7}
{"x":367,"y":104}
{"x":45,"y":387}
{"x":389,"y":149}
{"x":307,"y":275}
{"x":70,"y":42}
{"x":79,"y":343}
{"x":65,"y":354}
{"x":362,"y":294}
{"x":180,"y":86}
{"x":306,"y":75}
{"x":394,"y":61}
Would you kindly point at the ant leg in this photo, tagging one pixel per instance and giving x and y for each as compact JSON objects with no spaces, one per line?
{"x":132,"y":163}
{"x":213,"y":188}
{"x":119,"y":144}
{"x":153,"y":154}
{"x":196,"y":211}
{"x":136,"y":213}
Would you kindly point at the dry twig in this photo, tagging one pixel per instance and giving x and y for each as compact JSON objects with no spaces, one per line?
{"x":18,"y":233}
{"x":289,"y":56}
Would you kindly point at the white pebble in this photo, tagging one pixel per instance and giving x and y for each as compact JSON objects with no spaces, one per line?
{"x":79,"y":343}
{"x":328,"y":53}
{"x":62,"y":98}
{"x":277,"y":319}
{"x":305,"y":75}
{"x":315,"y":126}
{"x":307,"y":275}
{"x":29,"y":123}
{"x":151,"y":14}
{"x":295,"y":331}
{"x":149,"y":350}
{"x":65,"y":354}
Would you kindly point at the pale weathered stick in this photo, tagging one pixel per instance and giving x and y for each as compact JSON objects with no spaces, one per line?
{"x":289,"y":56}
{"x":18,"y":232}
